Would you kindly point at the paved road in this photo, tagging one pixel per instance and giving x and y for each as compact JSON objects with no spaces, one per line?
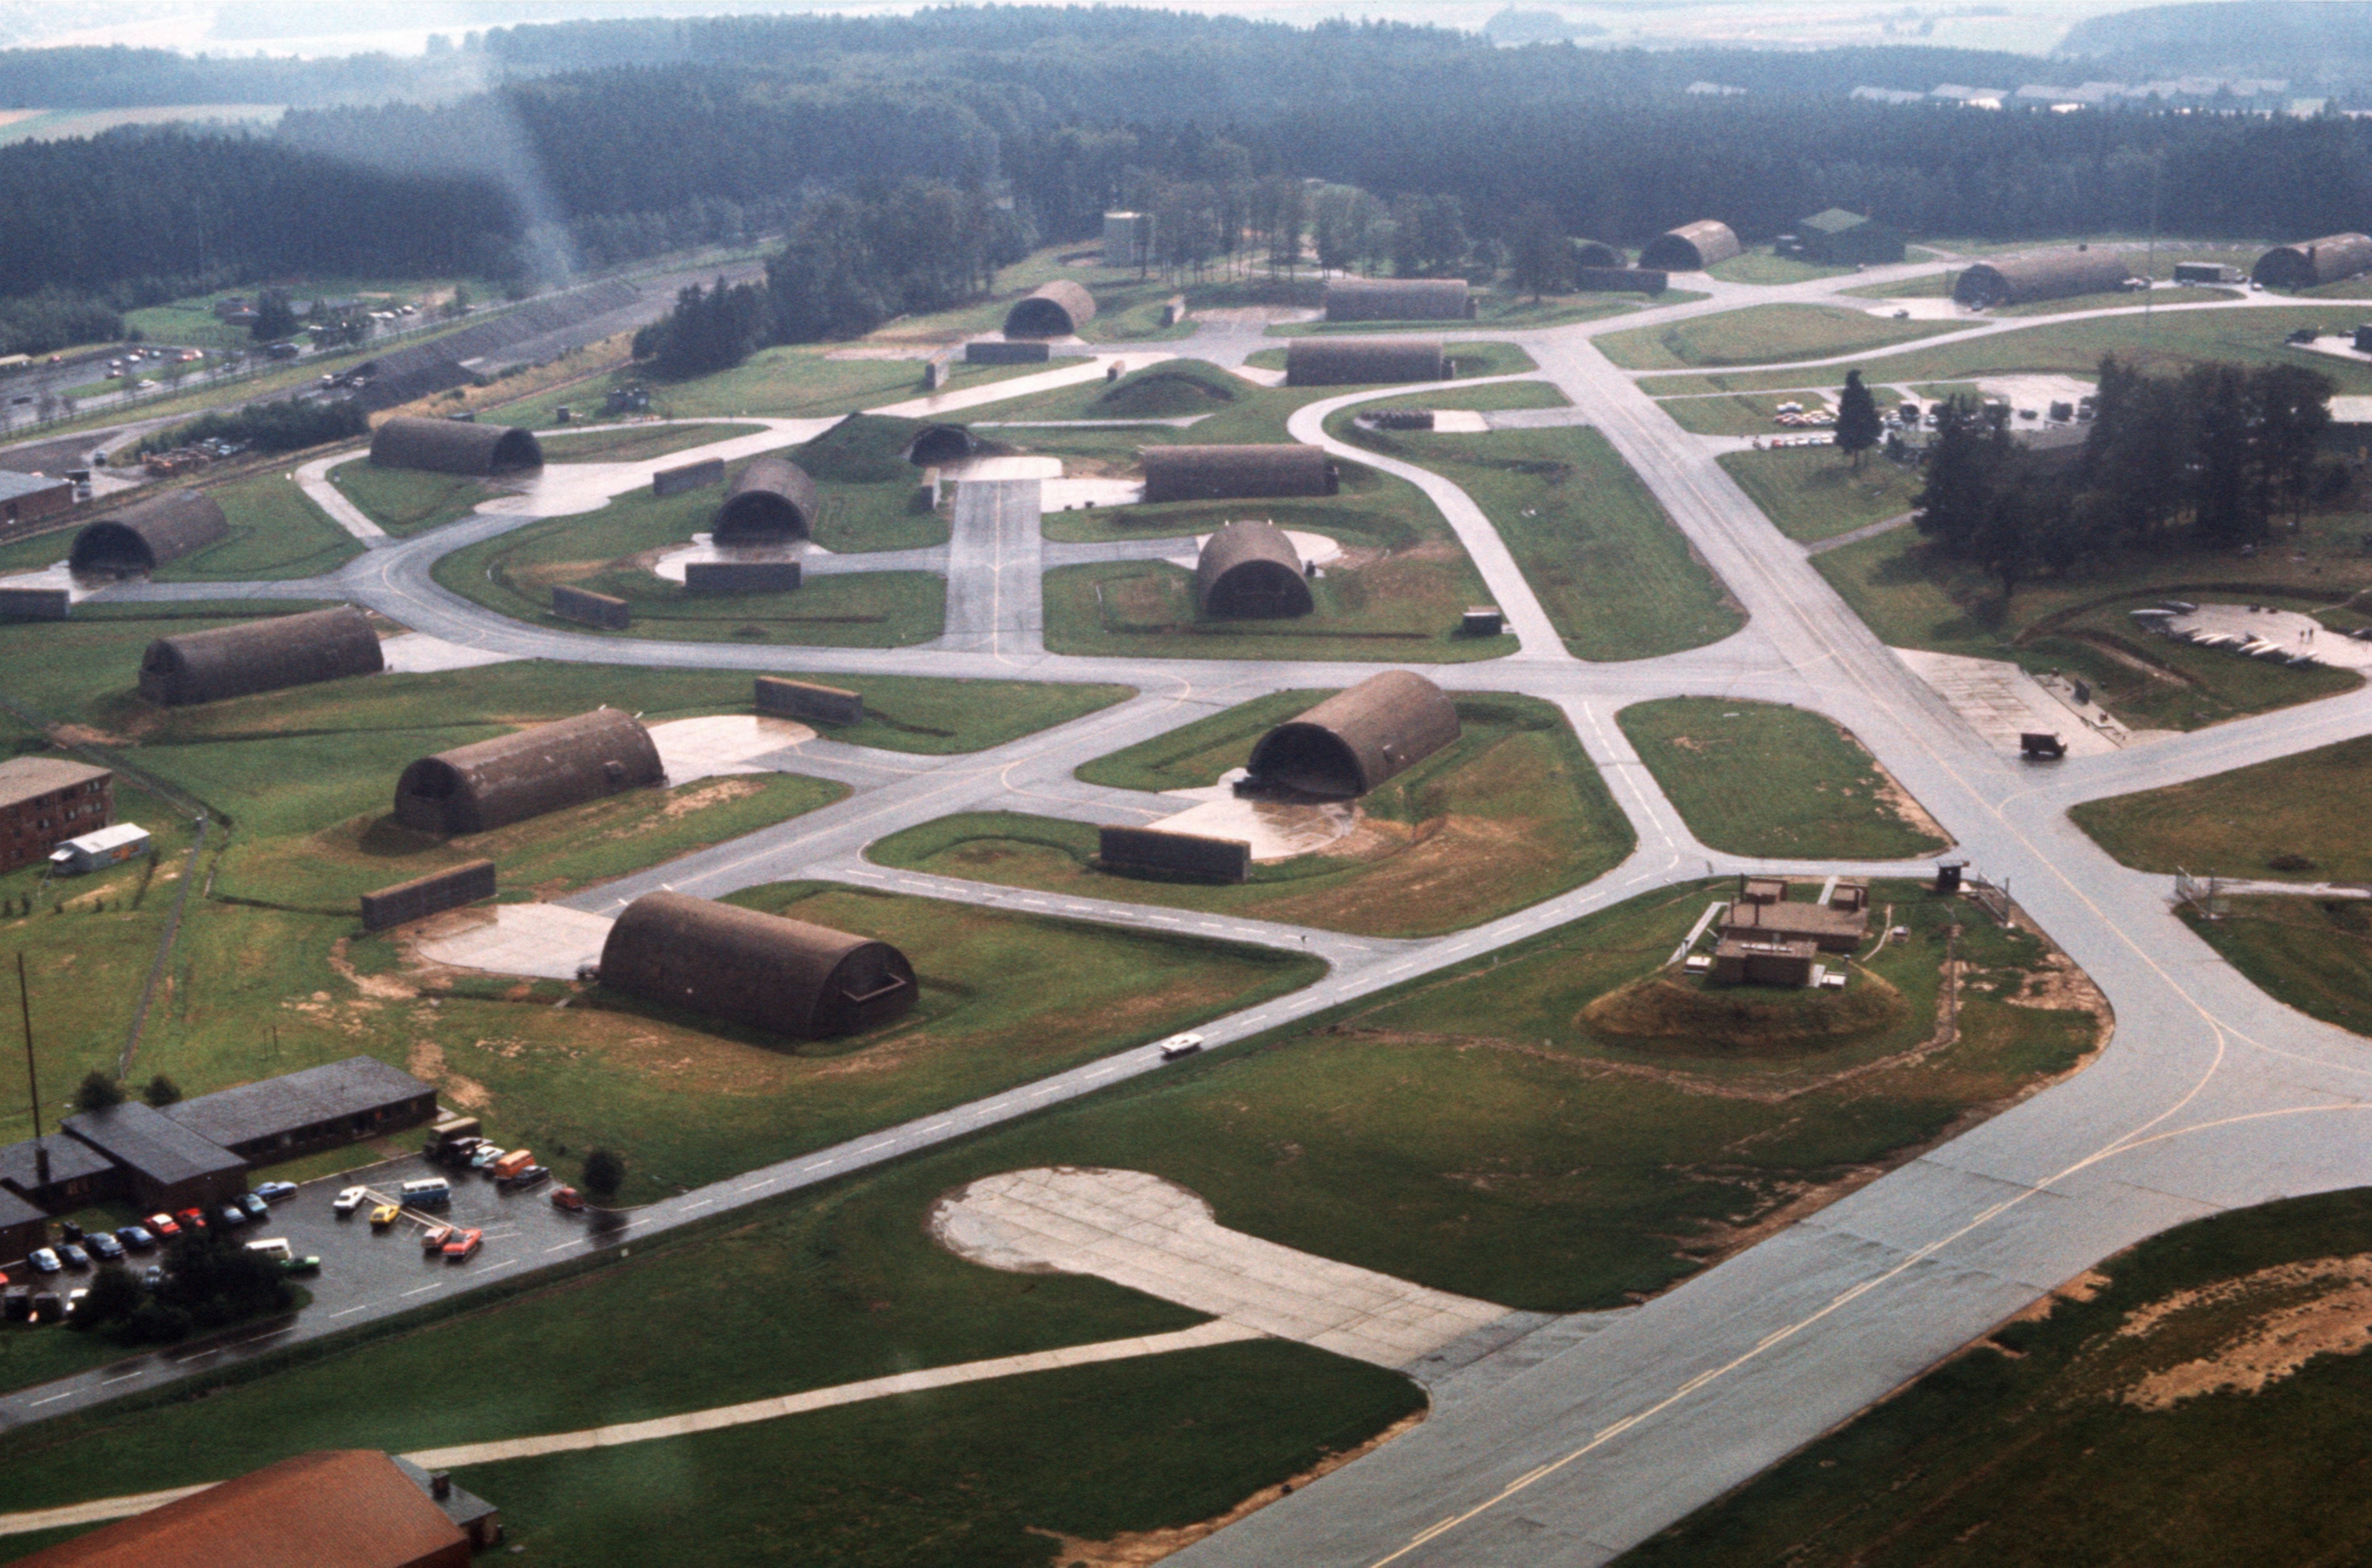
{"x":1598,"y":1429}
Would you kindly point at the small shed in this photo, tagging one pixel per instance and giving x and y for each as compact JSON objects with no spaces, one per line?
{"x":1839,"y":238}
{"x":260,"y":656}
{"x":1356,"y":739}
{"x":1227,"y":473}
{"x":2054,"y":275}
{"x":1250,"y":571}
{"x":1358,"y":362}
{"x":86,"y":852}
{"x":492,"y":784}
{"x":766,"y":971}
{"x":447,"y":445}
{"x":146,"y":534}
{"x":1056,"y":309}
{"x":1398,"y":300}
{"x":1691,"y":247}
{"x":2313,"y":263}
{"x":772,"y":499}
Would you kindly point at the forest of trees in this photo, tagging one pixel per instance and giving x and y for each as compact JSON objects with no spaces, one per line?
{"x":2213,"y":457}
{"x":615,"y":141}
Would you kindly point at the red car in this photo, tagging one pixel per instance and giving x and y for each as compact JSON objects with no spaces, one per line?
{"x":568,"y":1197}
{"x":163,"y":1227}
{"x":464,"y":1246}
{"x":192,"y":1219}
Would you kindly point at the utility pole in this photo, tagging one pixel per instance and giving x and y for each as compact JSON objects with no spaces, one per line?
{"x":32,"y":1079}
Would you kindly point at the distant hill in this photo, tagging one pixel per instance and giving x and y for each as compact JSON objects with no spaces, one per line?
{"x":2309,"y":35}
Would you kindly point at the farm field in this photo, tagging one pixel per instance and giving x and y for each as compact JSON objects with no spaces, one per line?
{"x":1511,"y":813}
{"x":2196,"y":1401}
{"x":1913,"y":598}
{"x":1761,"y":334}
{"x":1617,"y":578}
{"x":1813,"y":492}
{"x":1759,"y":779}
{"x":2302,"y":817}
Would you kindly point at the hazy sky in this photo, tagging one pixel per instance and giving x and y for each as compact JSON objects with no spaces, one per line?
{"x":320,"y":27}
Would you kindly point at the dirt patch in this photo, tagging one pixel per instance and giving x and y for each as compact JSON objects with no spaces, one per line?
{"x":380,"y":987}
{"x":1134,"y":1548}
{"x":426,"y":1062}
{"x":84,"y":734}
{"x":716,"y":794}
{"x":2337,"y":1303}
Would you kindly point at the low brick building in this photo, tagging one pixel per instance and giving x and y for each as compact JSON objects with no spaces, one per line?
{"x":320,"y":1108}
{"x":30,"y":498}
{"x":44,"y":801}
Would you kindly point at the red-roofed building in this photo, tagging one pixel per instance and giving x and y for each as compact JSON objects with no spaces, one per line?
{"x":342,"y":1508}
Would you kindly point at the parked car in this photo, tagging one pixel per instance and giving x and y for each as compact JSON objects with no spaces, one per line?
{"x":273,"y":1192}
{"x":384,"y":1216}
{"x":164,"y":1226}
{"x":71,"y":1255}
{"x":484,"y":1156}
{"x":568,"y":1197}
{"x":191,"y":1219}
{"x":511,"y":1164}
{"x":307,"y":1265}
{"x":520,"y":1181}
{"x":44,"y":1261}
{"x":233,"y":1215}
{"x":347,"y":1201}
{"x":135,"y":1238}
{"x":1177,"y":1046}
{"x":153,"y":1277}
{"x":103,"y":1247}
{"x":255,"y":1206}
{"x":275,"y":1248}
{"x":75,"y":1300}
{"x":464,"y":1246}
{"x":435,"y":1237}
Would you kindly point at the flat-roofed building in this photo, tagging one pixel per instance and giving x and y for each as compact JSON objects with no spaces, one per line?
{"x":58,"y":1173}
{"x":320,"y":1108}
{"x":44,"y":801}
{"x":30,"y":498}
{"x":23,"y":1227}
{"x":165,"y":1164}
{"x":1831,"y":930}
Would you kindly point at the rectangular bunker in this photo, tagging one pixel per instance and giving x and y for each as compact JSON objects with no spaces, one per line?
{"x":432,"y":894}
{"x":691,"y":476}
{"x":778,"y":698}
{"x":1174,"y":855}
{"x":741,"y":576}
{"x":592,"y":609}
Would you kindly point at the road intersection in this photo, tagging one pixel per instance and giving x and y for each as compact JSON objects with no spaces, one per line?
{"x":1602,"y":1428}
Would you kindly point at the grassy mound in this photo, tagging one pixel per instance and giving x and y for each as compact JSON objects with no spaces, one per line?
{"x":1169,"y":390}
{"x":1755,"y":1017}
{"x":864,"y":449}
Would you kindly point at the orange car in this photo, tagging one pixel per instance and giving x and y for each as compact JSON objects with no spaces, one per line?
{"x":464,"y":1246}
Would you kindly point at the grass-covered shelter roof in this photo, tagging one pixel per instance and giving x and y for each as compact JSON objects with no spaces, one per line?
{"x":1056,"y":309}
{"x":1358,"y":362}
{"x":1398,"y":300}
{"x":773,"y":498}
{"x":1222,"y":473}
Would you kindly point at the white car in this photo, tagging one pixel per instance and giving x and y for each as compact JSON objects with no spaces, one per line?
{"x":1177,"y":1046}
{"x":347,"y":1201}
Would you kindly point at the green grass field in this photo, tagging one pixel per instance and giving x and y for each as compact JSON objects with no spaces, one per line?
{"x":1926,"y":286}
{"x":2079,"y":624}
{"x":2114,"y":299}
{"x":2068,"y":1439}
{"x":1813,"y":492}
{"x":410,"y":500}
{"x":1737,"y":413}
{"x":2249,"y":336}
{"x":275,"y":533}
{"x":1510,"y":814}
{"x":1761,"y":334}
{"x":1761,"y":779}
{"x":1466,"y":359}
{"x":1763,"y":266}
{"x":2313,"y":954}
{"x":2315,"y":805}
{"x":636,"y":443}
{"x":1616,"y":579}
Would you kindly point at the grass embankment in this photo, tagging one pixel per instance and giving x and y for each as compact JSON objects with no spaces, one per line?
{"x":1761,"y":334}
{"x":1735,"y":415}
{"x":1616,"y":579}
{"x":1926,"y":286}
{"x":410,"y":500}
{"x":1814,"y":493}
{"x":868,"y":500}
{"x":1466,"y":359}
{"x":2315,"y":954}
{"x":775,"y":383}
{"x":636,"y":443}
{"x":2203,"y":1400}
{"x":2116,"y":299}
{"x":1395,"y":595}
{"x":1761,"y":779}
{"x":1510,"y":814}
{"x":2249,"y":335}
{"x":1413,"y":1135}
{"x":1914,"y":598}
{"x":271,"y":974}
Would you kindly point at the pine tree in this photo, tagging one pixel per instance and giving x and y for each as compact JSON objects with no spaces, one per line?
{"x":1857,"y":423}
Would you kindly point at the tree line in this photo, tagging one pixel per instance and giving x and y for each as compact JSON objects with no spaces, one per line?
{"x":2213,"y":456}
